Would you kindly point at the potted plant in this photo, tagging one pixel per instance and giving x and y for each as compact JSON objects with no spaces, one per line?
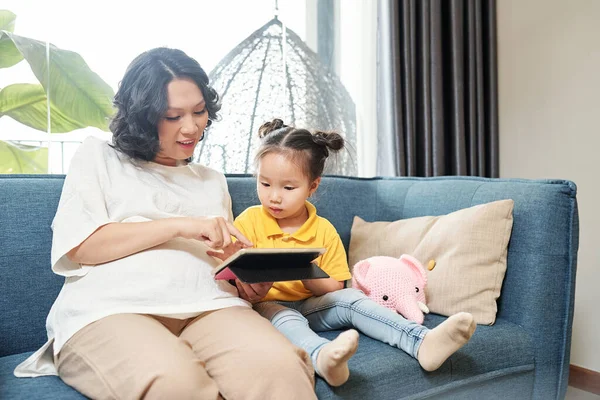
{"x":69,"y":95}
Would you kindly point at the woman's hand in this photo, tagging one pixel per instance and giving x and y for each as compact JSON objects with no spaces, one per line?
{"x":228,"y":251}
{"x":253,"y":292}
{"x":215,"y":232}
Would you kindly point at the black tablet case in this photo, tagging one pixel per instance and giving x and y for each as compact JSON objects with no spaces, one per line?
{"x":255,"y":267}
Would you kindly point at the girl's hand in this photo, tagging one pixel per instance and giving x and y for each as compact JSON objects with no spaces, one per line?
{"x":215,"y":232}
{"x":253,"y":292}
{"x":228,"y":251}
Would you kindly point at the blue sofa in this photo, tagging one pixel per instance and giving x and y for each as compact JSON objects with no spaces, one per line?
{"x":524,"y":355}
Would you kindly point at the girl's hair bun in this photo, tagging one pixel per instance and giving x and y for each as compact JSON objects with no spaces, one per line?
{"x":332,"y":140}
{"x":269,"y":127}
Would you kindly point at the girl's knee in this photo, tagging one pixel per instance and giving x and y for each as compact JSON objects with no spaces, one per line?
{"x":287,"y":315}
{"x":268,"y":309}
{"x":352,"y":295}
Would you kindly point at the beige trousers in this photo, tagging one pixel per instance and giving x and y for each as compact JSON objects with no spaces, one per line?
{"x":232,"y":353}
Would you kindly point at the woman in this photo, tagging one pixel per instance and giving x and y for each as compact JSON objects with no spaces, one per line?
{"x":140,"y":315}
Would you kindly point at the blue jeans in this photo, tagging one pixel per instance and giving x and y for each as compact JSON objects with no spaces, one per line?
{"x":345,"y":308}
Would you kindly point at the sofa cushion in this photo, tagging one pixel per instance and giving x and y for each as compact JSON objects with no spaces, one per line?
{"x":469,"y":247}
{"x":375,"y":369}
{"x":28,"y":285}
{"x":42,"y":388}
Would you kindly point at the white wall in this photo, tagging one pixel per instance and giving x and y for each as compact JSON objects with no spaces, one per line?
{"x":549,"y":105}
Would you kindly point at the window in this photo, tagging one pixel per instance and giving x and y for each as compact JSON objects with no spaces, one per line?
{"x":110,"y":34}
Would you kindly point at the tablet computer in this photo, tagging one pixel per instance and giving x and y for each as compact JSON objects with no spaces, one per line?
{"x":253,"y":265}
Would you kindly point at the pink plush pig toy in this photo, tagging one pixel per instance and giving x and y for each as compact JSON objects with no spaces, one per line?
{"x":396,"y":283}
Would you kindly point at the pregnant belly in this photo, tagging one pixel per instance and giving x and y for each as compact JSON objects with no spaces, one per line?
{"x":178,"y":271}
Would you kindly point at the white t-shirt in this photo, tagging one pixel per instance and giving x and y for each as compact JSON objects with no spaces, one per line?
{"x":173,"y":279}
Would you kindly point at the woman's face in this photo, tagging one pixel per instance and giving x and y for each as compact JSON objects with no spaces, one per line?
{"x":182,"y":126}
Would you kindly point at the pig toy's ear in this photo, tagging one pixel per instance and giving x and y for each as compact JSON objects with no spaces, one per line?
{"x":359,"y":275}
{"x":416,"y":267}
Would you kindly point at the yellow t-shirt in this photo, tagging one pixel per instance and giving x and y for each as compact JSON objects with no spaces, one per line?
{"x":262,"y":229}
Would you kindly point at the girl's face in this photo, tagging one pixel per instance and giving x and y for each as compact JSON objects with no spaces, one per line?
{"x":182,"y":126}
{"x":283,"y":187}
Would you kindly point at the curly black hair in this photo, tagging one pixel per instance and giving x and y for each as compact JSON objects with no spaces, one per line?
{"x":141,"y":100}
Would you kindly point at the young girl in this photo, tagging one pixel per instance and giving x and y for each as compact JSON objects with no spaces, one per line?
{"x":290,"y":163}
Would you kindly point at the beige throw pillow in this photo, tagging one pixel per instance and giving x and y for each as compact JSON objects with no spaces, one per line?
{"x":469,"y":248}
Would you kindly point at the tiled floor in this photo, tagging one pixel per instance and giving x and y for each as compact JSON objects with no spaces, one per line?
{"x":576,"y":394}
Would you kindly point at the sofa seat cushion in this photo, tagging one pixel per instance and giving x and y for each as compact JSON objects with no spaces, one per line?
{"x":380,"y":372}
{"x":42,"y":388}
{"x":377,"y":371}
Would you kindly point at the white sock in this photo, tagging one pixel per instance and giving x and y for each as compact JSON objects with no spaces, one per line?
{"x":332,"y":360}
{"x":444,"y":340}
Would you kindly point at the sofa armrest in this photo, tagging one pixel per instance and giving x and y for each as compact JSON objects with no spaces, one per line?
{"x":539,"y":288}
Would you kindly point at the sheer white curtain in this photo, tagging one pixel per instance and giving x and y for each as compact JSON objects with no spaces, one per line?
{"x":354,"y":60}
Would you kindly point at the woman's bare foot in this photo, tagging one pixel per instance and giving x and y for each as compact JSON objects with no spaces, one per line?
{"x":332,"y":361}
{"x":445,"y":339}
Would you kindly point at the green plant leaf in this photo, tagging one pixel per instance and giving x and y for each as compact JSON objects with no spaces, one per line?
{"x":7,"y":20}
{"x":9,"y":54}
{"x":74,"y":89}
{"x":22,"y":159}
{"x":26,"y":103}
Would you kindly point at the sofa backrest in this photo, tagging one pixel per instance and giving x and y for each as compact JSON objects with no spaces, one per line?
{"x":543,"y":229}
{"x":28,"y":287}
